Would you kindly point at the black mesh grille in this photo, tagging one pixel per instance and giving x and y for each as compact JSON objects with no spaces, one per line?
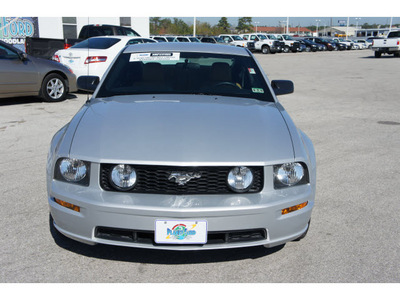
{"x":147,"y":237}
{"x":154,"y":180}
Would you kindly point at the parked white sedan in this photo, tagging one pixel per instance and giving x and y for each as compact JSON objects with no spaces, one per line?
{"x":94,"y":55}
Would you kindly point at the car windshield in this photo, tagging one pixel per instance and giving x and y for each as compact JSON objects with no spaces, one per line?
{"x":97,"y":43}
{"x":219,"y":39}
{"x":272,"y":37}
{"x":194,"y":40}
{"x":237,"y":38}
{"x":287,"y":37}
{"x":261,"y":36}
{"x":185,"y":73}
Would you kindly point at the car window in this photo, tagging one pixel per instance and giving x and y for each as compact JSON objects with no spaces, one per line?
{"x":185,"y":73}
{"x":120,"y":31}
{"x":6,"y":53}
{"x":194,"y":40}
{"x":130,"y":32}
{"x":107,"y":30}
{"x":237,"y":38}
{"x":148,"y":41}
{"x":97,"y":43}
{"x":160,"y":39}
{"x":135,"y":41}
{"x":394,"y":34}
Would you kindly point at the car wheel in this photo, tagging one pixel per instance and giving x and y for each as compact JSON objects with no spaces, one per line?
{"x":265,"y":49}
{"x":308,"y":49}
{"x":54,"y":88}
{"x":286,"y":49}
{"x":378,"y":54}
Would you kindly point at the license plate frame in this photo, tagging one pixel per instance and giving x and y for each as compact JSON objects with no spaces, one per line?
{"x":181,"y":232}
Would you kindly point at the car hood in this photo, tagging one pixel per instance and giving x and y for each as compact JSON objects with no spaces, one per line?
{"x":182,"y":130}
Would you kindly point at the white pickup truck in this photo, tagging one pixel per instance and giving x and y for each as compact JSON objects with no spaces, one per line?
{"x":262,"y":43}
{"x":388,"y":45}
{"x":290,"y":43}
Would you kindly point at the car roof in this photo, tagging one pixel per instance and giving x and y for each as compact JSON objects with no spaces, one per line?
{"x":122,"y":37}
{"x":188,"y":47}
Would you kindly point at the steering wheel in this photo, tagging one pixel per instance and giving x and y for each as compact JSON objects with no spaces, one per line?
{"x":226,"y":83}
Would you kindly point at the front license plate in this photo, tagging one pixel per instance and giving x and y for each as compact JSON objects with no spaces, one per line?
{"x":180,"y":232}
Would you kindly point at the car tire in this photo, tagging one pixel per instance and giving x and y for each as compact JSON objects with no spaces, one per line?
{"x":286,"y":49}
{"x":378,"y":54}
{"x":54,"y":88}
{"x":265,"y":50}
{"x":308,"y":49}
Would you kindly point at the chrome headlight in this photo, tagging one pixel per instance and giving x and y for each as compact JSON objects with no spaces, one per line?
{"x":240,"y":179}
{"x":72,"y":170}
{"x":289,"y":174}
{"x":123,"y":177}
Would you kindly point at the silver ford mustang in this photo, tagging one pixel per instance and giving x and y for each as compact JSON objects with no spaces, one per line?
{"x":182,"y":147}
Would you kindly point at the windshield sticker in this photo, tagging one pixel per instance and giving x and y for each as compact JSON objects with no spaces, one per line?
{"x":154,"y":56}
{"x":251,"y":71}
{"x":258,"y":90}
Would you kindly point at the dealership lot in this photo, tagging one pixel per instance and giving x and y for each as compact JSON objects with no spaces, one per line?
{"x":347,"y":102}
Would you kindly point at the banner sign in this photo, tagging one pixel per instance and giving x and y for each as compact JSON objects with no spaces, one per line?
{"x":14,"y":30}
{"x":342,"y":22}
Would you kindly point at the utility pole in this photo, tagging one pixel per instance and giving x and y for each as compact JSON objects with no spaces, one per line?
{"x":287,"y":23}
{"x":317,"y":25}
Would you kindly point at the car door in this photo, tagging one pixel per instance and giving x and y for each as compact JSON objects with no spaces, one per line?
{"x":17,"y":76}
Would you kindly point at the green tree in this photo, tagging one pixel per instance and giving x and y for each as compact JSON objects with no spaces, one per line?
{"x":244,"y":24}
{"x":223,"y":25}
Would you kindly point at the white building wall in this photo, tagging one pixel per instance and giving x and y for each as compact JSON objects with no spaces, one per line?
{"x":50,"y":27}
{"x":141,"y":25}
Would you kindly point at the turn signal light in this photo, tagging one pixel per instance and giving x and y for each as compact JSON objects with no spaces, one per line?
{"x":294,"y":208}
{"x":68,"y":205}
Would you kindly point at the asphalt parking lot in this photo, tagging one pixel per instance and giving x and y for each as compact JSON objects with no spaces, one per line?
{"x":348,"y":104}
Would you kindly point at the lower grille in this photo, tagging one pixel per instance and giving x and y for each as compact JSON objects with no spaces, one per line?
{"x":147,"y":237}
{"x":154,"y":180}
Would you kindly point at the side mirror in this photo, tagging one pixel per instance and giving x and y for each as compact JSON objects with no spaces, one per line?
{"x":88,"y":83}
{"x":22,"y":56}
{"x":282,"y":87}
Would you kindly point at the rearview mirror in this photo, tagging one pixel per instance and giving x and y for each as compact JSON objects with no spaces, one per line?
{"x":88,"y":83}
{"x":282,"y":87}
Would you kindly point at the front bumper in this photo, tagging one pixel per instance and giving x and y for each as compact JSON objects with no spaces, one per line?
{"x":138,"y":212}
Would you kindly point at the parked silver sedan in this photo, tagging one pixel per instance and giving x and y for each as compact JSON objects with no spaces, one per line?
{"x":182,"y":147}
{"x":25,"y":75}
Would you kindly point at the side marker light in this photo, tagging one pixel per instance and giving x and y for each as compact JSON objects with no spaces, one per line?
{"x":294,"y":208}
{"x":68,"y":205}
